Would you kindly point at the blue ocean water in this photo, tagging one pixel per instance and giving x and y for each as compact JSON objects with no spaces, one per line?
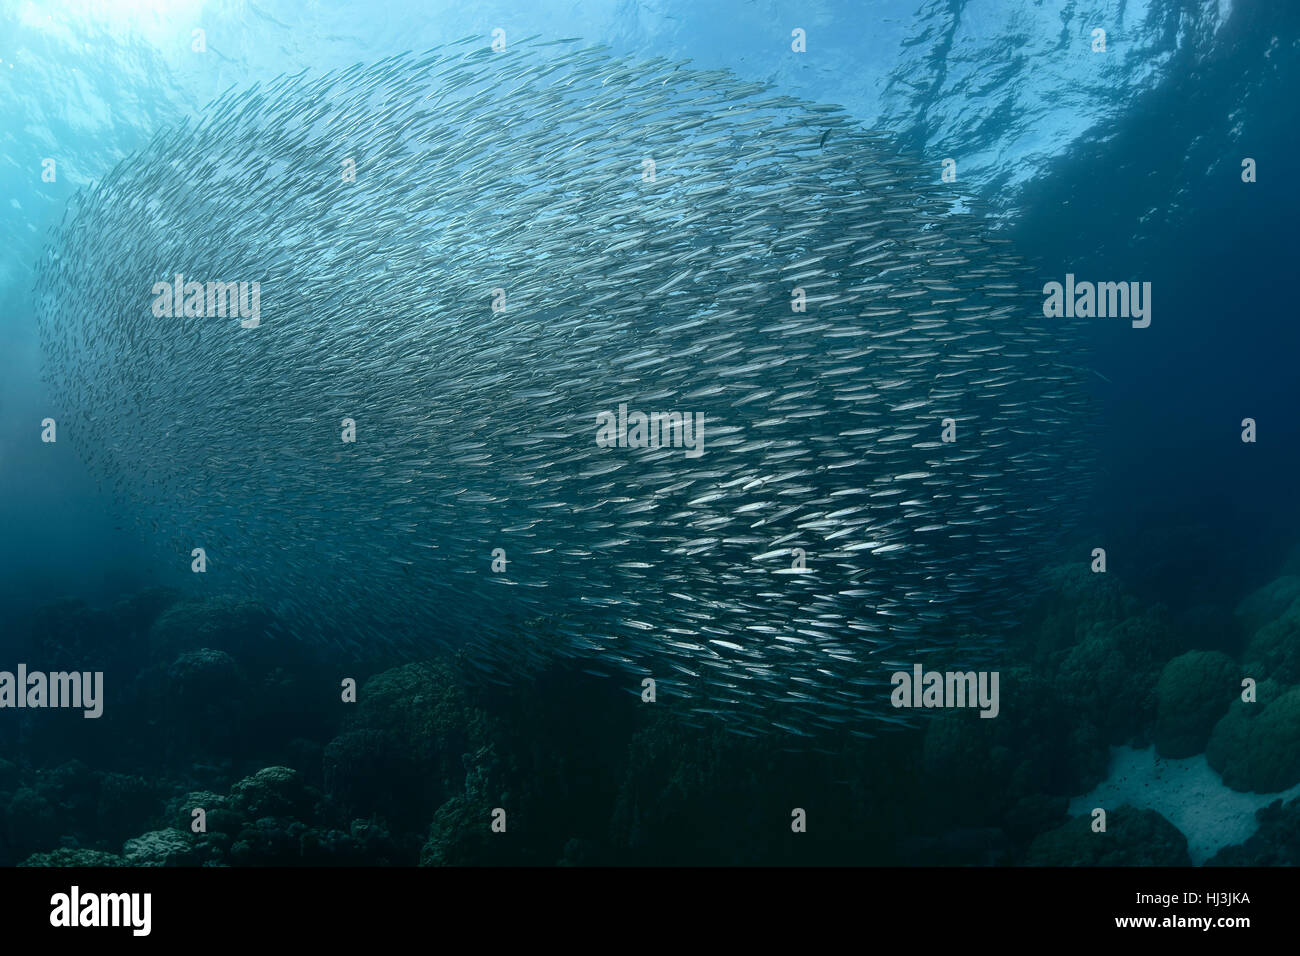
{"x":1122,"y":165}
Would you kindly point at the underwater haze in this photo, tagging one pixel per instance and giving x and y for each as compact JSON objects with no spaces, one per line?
{"x":649,"y":424}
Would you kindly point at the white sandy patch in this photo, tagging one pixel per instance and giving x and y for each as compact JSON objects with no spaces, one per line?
{"x":1187,"y":793}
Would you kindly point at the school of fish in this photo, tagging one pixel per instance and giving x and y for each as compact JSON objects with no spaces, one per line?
{"x":530,"y":238}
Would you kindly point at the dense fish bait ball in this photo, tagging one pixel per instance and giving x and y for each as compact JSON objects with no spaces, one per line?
{"x":642,"y":228}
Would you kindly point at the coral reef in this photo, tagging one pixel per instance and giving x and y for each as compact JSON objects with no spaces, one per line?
{"x":1193,"y":692}
{"x":1256,"y":745}
{"x":213,"y":710}
{"x":1132,"y":838}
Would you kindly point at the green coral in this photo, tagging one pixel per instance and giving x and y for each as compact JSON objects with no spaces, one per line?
{"x":1074,"y":600}
{"x":67,"y":856}
{"x":218,"y":817}
{"x":405,"y":747}
{"x":1193,"y":692}
{"x":424,"y":706}
{"x":1108,"y":678}
{"x":159,"y":848}
{"x":1268,"y":603}
{"x":976,"y":768}
{"x":1132,"y":838}
{"x":1274,"y":651}
{"x":193,"y":625}
{"x":461,"y":835}
{"x":691,"y":796}
{"x":1256,"y":746}
{"x":272,"y":792}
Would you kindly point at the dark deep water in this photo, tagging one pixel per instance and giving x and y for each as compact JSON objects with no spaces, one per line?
{"x":1156,"y":193}
{"x":1136,"y":176}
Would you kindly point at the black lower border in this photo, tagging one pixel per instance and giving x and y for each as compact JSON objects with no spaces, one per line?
{"x":917,"y":906}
